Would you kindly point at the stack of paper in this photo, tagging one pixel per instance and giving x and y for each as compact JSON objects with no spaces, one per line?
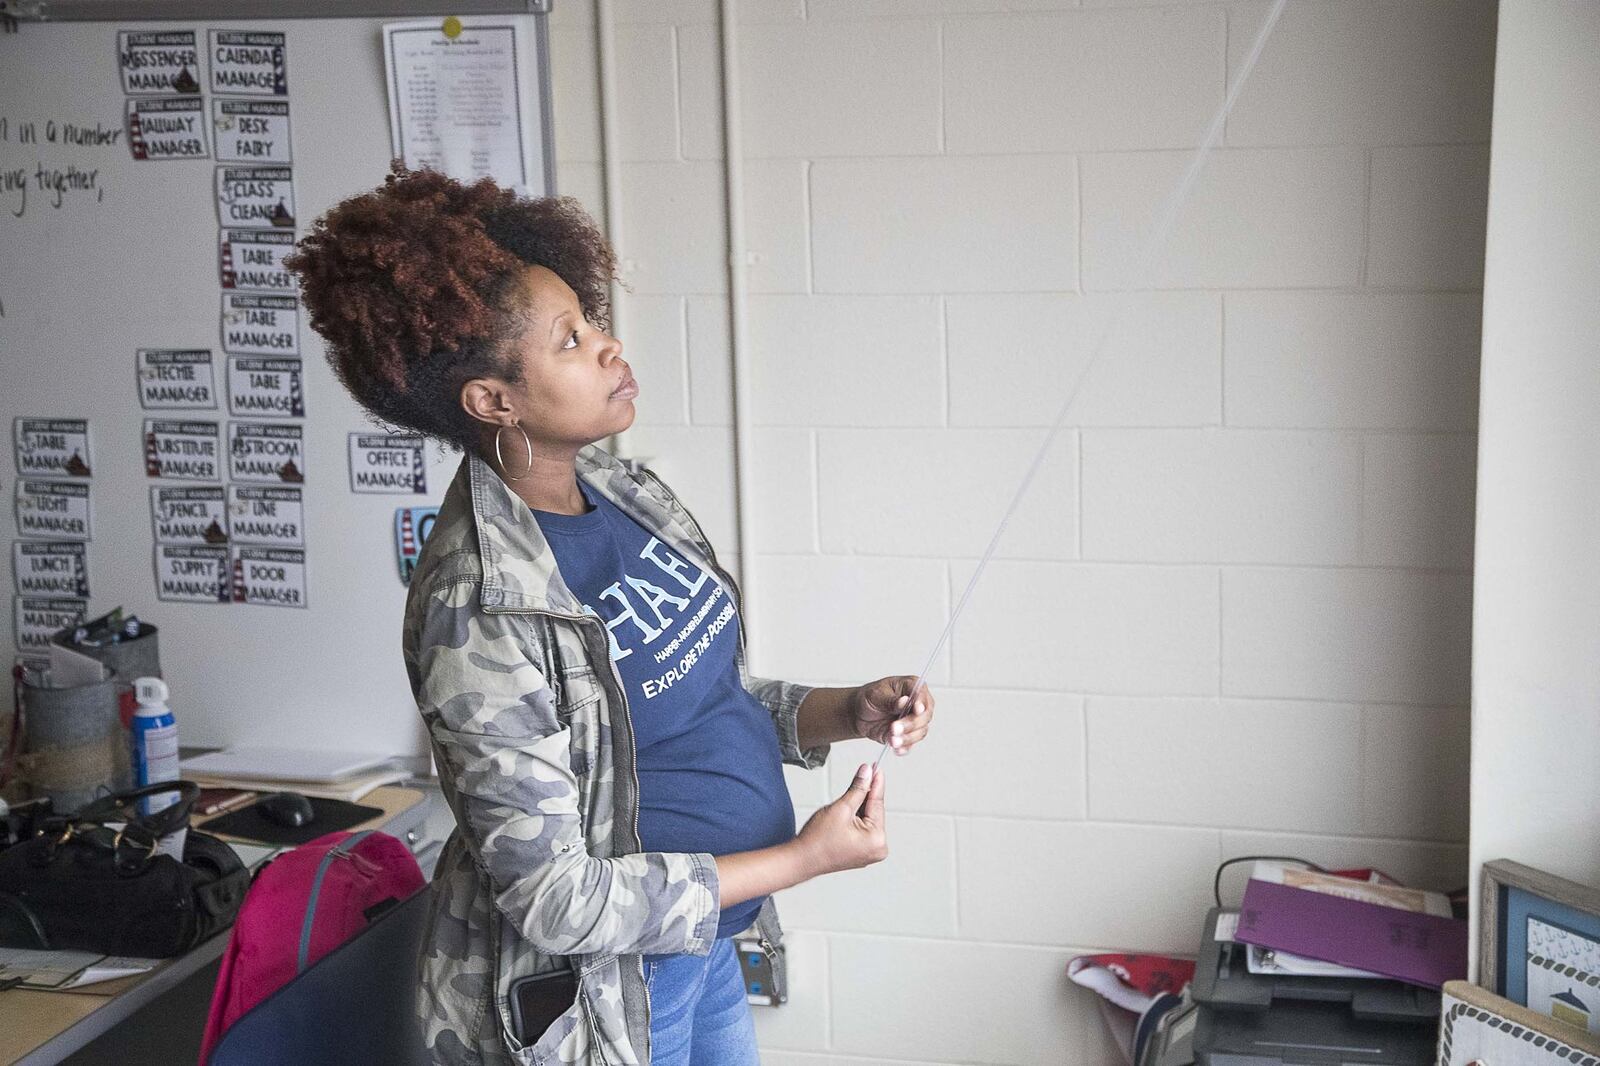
{"x":1318,"y":924}
{"x":65,"y":969}
{"x":342,"y":775}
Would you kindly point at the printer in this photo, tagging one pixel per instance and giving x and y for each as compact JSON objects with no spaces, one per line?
{"x":1231,"y":1017}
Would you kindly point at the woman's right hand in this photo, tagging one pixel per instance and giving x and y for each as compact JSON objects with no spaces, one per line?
{"x":848,"y":833}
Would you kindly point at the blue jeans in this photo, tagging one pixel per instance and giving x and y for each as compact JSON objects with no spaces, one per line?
{"x":698,"y":1012}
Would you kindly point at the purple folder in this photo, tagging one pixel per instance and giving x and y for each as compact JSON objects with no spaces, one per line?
{"x":1421,"y":949}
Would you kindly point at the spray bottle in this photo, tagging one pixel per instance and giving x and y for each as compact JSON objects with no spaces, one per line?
{"x":155,"y":743}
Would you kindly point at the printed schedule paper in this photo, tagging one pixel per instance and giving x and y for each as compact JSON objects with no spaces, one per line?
{"x":457,"y":89}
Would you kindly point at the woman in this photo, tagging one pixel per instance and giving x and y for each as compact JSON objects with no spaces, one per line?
{"x":576,"y":654}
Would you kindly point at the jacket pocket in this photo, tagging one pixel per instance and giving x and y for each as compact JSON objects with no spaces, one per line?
{"x":566,"y":1039}
{"x":569,"y":1037}
{"x":579,"y":708}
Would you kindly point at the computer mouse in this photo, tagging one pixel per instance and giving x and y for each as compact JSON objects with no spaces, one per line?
{"x":287,"y":808}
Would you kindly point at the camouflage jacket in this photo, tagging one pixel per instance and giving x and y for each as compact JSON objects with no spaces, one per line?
{"x":533,"y":741}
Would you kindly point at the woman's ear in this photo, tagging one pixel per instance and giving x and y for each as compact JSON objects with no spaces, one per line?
{"x":486,"y":400}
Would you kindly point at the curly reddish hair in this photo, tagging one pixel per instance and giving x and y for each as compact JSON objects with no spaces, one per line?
{"x":412,"y":286}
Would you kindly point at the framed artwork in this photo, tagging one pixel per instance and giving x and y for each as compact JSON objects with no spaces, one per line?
{"x":1479,"y":1028}
{"x":1540,"y":943}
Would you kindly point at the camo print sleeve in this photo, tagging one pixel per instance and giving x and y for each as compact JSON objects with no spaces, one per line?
{"x":782,"y":699}
{"x":504,"y":761}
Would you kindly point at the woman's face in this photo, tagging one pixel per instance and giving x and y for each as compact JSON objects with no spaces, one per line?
{"x":575,"y":389}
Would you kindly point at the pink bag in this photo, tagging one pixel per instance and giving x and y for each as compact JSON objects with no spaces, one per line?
{"x":301,"y":905}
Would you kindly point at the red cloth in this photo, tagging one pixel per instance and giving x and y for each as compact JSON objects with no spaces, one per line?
{"x":1140,"y":977}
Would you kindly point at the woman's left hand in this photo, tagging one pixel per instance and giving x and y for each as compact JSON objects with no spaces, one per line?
{"x":883,"y":711}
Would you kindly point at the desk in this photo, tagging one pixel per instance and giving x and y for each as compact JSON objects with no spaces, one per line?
{"x":38,"y":1028}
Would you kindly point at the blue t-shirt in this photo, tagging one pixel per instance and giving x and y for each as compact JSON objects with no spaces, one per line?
{"x":710,"y":771}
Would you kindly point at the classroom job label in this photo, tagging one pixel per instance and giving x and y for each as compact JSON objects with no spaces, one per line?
{"x":189,"y":516}
{"x":253,"y":259}
{"x":166,"y":62}
{"x":176,"y":378}
{"x":251,"y":131}
{"x":260,"y":325}
{"x":261,"y":451}
{"x":167,"y":128}
{"x":52,"y":446}
{"x":275,"y":577}
{"x":249,"y":63}
{"x":50,"y":568}
{"x":189,"y":573}
{"x":262,"y":197}
{"x":386,"y":462}
{"x":57,"y":509}
{"x":38,"y":619}
{"x":268,"y":387}
{"x":273,"y":517}
{"x":187,"y":451}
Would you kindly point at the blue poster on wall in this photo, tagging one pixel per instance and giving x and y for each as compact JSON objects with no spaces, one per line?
{"x":411,"y":528}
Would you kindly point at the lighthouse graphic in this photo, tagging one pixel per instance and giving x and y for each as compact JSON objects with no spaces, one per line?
{"x":228,"y":276}
{"x":417,"y":484}
{"x":240,"y":594}
{"x":408,"y":533}
{"x":136,"y":134}
{"x":297,"y":405}
{"x":152,"y":460}
{"x":224,"y":580}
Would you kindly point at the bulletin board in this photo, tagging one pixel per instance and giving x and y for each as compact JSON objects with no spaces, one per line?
{"x":177,"y":444}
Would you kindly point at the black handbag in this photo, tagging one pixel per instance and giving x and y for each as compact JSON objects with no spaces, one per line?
{"x":80,"y":884}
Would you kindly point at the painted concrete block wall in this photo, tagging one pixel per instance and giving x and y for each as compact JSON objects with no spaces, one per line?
{"x":1233,"y":616}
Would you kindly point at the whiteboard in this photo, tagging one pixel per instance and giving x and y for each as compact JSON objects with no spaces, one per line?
{"x":127,"y":257}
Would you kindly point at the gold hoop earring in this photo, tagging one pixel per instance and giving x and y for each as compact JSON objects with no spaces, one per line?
{"x":526,"y":443}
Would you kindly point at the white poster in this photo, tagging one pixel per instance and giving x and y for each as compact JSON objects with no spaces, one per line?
{"x":176,"y":378}
{"x":58,"y":446}
{"x":275,"y":577}
{"x":262,"y":197}
{"x":265,"y":387}
{"x":57,"y":509}
{"x":165,"y":62}
{"x":167,"y":128}
{"x":187,"y":451}
{"x":189,"y":515}
{"x":273,"y":517}
{"x":387,"y":462}
{"x":50,"y":568}
{"x":193,"y":573}
{"x":260,"y":325}
{"x":264,"y":452}
{"x":37,"y":620}
{"x":251,"y":131}
{"x":253,"y":259}
{"x":249,"y":63}
{"x":457,"y":89}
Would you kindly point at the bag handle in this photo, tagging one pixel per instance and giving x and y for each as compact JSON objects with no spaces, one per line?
{"x":117,"y":806}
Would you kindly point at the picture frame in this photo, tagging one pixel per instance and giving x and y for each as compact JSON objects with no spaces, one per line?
{"x":1539,"y":943}
{"x":1479,"y":1028}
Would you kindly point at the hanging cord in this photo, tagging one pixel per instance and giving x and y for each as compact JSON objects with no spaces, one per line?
{"x":1216,"y":885}
{"x":1140,"y":280}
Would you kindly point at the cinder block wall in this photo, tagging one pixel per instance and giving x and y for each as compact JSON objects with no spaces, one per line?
{"x":1233,"y":615}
